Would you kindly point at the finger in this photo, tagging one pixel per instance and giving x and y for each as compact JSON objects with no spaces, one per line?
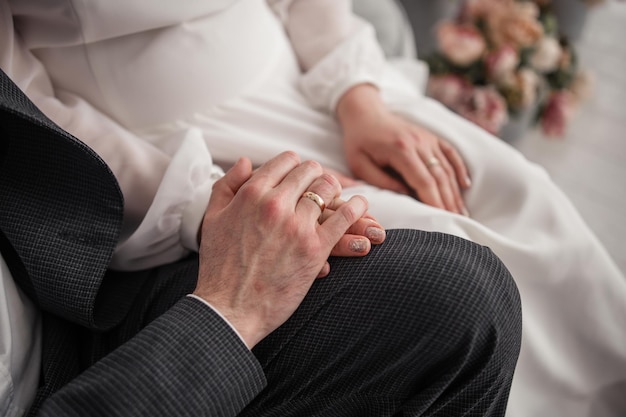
{"x":351,"y":245}
{"x":418,"y":177}
{"x":337,"y":202}
{"x":324,"y":271}
{"x":457,"y":162}
{"x":454,"y":185}
{"x":327,"y":188}
{"x":340,"y":221}
{"x":272,"y":173}
{"x":374,"y":174}
{"x":366,"y":227}
{"x":456,"y":188}
{"x":226,"y":187}
{"x":300,"y":180}
{"x":441,"y":172}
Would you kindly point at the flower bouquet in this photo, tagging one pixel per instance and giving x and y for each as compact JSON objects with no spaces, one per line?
{"x":499,"y":59}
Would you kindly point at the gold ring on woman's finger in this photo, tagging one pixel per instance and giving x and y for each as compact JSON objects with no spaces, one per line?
{"x":432,"y":162}
{"x":316,"y":199}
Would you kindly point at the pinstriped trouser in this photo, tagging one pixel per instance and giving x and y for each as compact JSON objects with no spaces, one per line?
{"x":426,"y":325}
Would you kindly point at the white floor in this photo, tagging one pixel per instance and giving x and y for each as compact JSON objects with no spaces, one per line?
{"x":590,"y":162}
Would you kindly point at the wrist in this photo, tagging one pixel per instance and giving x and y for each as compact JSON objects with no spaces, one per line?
{"x":243,"y":325}
{"x":359,"y":101}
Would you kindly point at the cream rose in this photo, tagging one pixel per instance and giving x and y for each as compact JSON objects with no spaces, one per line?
{"x":547,"y":55}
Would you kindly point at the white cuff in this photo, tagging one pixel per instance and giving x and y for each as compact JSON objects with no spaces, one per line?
{"x":194,"y":212}
{"x":357,"y":60}
{"x":169,"y":229}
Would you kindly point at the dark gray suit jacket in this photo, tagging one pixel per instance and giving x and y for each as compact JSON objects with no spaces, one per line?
{"x":60,"y":216}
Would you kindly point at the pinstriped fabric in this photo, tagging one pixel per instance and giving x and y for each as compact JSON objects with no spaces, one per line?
{"x":169,"y":369}
{"x":426,"y":325}
{"x":61,"y":208}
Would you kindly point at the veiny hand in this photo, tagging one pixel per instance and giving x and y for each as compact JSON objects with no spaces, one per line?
{"x":262,"y":246}
{"x":387,"y":151}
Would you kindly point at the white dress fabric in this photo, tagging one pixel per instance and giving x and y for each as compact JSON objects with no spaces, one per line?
{"x":154,"y":88}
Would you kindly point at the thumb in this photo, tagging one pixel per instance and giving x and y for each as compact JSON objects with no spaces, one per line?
{"x":226,"y":187}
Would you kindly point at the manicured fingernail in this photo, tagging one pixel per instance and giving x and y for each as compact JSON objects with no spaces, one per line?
{"x":358,"y":245}
{"x":375,"y":234}
{"x":465,"y":212}
{"x":468,"y":182}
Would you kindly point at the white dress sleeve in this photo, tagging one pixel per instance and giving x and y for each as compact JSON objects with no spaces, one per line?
{"x":163,"y":206}
{"x":335,"y":48}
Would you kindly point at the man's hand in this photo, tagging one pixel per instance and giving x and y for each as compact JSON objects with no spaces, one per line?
{"x":262,"y":246}
{"x":392,"y":153}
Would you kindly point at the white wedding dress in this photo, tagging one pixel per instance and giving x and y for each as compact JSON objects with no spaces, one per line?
{"x":170,"y":80}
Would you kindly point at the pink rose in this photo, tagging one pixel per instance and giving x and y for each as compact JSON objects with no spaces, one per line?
{"x":462,"y":44}
{"x":448,"y":89}
{"x":557,"y":113}
{"x":501,"y":62}
{"x":485,"y":107}
{"x":481,"y":105}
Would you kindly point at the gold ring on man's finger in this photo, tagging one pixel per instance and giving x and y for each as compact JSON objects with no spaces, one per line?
{"x":316,"y":199}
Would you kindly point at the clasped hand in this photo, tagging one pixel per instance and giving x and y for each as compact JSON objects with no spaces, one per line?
{"x":263,"y":245}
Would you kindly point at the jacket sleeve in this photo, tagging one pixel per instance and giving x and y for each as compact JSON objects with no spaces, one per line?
{"x":163,"y":206}
{"x":335,"y":48}
{"x":188,"y":362}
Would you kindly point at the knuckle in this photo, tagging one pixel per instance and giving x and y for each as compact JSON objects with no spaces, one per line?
{"x":329,"y":184}
{"x":272,"y":208}
{"x":352,"y":212}
{"x":313,"y":165}
{"x":403,"y":143}
{"x":330,"y":179}
{"x":294,"y":156}
{"x":349,"y":213}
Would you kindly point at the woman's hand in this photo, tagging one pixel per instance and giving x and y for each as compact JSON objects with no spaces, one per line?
{"x":389,"y":152}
